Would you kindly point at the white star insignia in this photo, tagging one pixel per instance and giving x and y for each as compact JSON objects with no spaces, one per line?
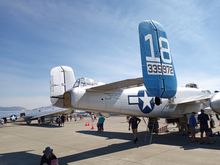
{"x":13,"y":117}
{"x":144,"y":99}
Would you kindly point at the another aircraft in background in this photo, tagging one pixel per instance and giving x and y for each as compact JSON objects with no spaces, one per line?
{"x":42,"y":114}
{"x":155,"y":95}
{"x":10,"y":113}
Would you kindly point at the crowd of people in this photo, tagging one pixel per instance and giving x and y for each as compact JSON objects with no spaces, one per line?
{"x":204,"y":121}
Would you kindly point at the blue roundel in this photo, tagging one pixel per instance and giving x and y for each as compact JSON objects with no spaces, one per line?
{"x":143,"y":104}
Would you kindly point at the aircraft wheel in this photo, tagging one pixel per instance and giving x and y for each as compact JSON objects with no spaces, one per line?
{"x":28,"y":122}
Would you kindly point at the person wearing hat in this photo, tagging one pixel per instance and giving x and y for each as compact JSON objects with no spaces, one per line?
{"x":48,"y":158}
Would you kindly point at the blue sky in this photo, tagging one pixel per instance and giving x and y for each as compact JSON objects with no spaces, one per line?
{"x":99,"y":39}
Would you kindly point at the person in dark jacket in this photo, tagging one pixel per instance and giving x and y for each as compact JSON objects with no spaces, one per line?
{"x":204,"y":127}
{"x":48,"y":158}
{"x":133,"y":123}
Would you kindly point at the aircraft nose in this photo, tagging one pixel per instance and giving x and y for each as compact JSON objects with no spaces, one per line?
{"x":215,"y":103}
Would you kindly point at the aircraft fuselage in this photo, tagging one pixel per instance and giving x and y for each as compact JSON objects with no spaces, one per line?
{"x":133,"y":101}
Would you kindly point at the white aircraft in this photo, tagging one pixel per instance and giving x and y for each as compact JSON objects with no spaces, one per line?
{"x":8,"y":117}
{"x":43,"y":114}
{"x":10,"y":113}
{"x":155,"y":95}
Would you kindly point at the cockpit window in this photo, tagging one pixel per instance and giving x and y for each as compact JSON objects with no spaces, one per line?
{"x":191,"y":85}
{"x":76,"y":83}
{"x":85,"y":82}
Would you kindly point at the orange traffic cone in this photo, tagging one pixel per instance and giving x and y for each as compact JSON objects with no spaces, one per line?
{"x":87,"y":124}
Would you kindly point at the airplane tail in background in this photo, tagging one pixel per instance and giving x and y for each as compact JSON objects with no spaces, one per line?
{"x":157,"y":65}
{"x":62,"y":80}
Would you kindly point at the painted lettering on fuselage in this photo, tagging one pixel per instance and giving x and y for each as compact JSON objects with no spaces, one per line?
{"x":157,"y":65}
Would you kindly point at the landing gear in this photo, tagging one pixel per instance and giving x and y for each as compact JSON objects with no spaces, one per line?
{"x":153,"y":125}
{"x":183,"y":126}
{"x":28,"y":122}
{"x":5,"y":120}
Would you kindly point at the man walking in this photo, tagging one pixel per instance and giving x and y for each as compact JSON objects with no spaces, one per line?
{"x":133,"y":123}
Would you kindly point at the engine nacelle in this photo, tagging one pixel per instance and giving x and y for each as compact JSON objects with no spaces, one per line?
{"x":215,"y":103}
{"x":63,"y":101}
{"x":105,"y":114}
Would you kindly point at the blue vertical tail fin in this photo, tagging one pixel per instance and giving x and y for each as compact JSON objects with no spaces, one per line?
{"x":157,"y":65}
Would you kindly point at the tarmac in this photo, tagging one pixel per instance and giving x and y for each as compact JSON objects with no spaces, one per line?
{"x":75,"y":143}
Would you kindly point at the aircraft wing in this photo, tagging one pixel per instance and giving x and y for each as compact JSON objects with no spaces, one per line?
{"x":52,"y":113}
{"x":117,"y":85}
{"x":193,"y":99}
{"x":191,"y":104}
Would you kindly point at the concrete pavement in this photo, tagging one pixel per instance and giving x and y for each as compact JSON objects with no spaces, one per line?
{"x":76,"y":143}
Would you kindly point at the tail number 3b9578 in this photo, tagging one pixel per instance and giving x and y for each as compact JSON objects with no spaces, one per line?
{"x":154,"y":64}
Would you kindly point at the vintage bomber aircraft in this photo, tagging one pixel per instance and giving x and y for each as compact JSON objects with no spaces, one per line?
{"x":154,"y":95}
{"x":43,"y":114}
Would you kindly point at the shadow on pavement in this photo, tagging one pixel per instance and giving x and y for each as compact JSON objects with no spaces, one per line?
{"x":172,"y":138}
{"x":165,"y":139}
{"x":97,"y":152}
{"x":19,"y":158}
{"x":175,"y":139}
{"x":37,"y":125}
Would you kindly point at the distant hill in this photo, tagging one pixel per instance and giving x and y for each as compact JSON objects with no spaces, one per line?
{"x":11,"y":108}
{"x":8,"y":111}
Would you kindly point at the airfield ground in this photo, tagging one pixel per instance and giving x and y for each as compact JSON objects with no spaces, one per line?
{"x":76,"y":143}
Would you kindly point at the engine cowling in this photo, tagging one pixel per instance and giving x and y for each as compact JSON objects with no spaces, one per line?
{"x":215,"y":103}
